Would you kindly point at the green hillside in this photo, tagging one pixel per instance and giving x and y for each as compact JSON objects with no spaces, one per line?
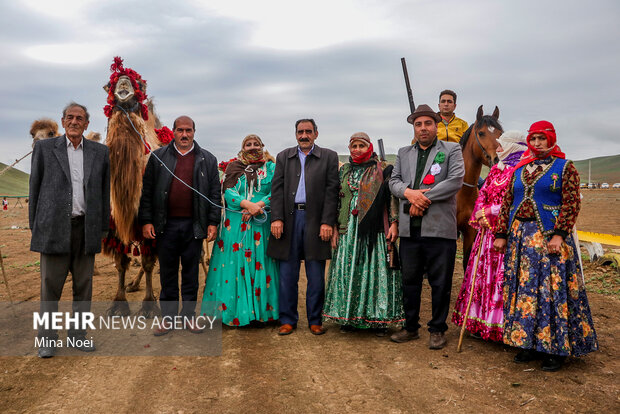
{"x":604,"y":169}
{"x":13,"y":182}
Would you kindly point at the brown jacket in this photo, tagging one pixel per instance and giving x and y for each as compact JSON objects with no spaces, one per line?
{"x":322,"y":189}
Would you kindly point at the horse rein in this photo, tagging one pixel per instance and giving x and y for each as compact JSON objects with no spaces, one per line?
{"x":486,"y":156}
{"x":484,"y":152}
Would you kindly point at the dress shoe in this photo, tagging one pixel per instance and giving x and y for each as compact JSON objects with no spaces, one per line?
{"x":437,"y":340}
{"x":552,"y":363}
{"x":286,"y":329}
{"x":81,"y":344}
{"x":317,"y":329}
{"x":404,"y":336}
{"x":161,"y":331}
{"x":192,"y":326}
{"x":526,"y":355}
{"x":46,"y":351}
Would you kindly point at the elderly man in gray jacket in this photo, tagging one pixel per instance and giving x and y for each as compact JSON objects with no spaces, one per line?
{"x":426,"y":178}
{"x":69,"y":213}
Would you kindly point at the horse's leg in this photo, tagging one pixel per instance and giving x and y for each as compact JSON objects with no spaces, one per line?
{"x":149,"y":304}
{"x":119,"y":305}
{"x":134,"y":286}
{"x":469,"y":235}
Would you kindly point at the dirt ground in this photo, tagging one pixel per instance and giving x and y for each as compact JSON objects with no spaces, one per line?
{"x":262,"y":372}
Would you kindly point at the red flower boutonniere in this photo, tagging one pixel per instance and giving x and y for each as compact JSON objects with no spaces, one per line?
{"x":429,"y":179}
{"x":355,"y":212}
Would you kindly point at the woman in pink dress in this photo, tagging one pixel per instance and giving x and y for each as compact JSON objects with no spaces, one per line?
{"x":486,"y":314}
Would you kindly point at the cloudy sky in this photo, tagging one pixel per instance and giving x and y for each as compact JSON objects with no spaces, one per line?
{"x":240,"y":67}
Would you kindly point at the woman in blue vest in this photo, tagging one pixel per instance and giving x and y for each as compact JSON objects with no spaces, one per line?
{"x":546,"y":311}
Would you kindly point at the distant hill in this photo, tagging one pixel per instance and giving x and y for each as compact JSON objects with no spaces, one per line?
{"x":604,"y":169}
{"x":13,"y":182}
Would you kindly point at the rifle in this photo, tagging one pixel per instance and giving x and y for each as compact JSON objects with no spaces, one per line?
{"x":381,"y":149}
{"x":408,"y":85}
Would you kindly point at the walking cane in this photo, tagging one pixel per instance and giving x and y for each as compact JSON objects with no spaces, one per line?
{"x":6,"y":283}
{"x":471,"y":292}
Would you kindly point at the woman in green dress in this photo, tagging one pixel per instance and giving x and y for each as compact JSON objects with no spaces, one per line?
{"x":241,"y":276}
{"x":363,"y":291}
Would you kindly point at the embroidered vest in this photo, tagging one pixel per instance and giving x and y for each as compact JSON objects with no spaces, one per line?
{"x":545,"y":194}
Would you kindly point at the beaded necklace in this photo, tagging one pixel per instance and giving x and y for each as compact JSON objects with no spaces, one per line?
{"x":352,"y":186}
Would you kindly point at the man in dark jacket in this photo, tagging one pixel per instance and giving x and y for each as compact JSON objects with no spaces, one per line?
{"x":179,"y":218}
{"x":304,"y":209}
{"x":69,"y":213}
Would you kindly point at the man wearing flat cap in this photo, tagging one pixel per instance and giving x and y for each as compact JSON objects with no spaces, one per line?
{"x":426,"y":177}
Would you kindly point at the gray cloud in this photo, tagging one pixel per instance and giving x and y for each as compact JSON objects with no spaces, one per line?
{"x":535,"y":60}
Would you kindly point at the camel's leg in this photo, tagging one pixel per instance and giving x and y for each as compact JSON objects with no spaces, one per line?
{"x":134,"y":286}
{"x":149,"y":304}
{"x":120,"y":305}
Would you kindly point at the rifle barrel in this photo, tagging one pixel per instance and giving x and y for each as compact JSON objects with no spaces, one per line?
{"x":408,"y":85}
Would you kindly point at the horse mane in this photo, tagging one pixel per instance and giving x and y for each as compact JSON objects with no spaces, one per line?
{"x":465,"y":136}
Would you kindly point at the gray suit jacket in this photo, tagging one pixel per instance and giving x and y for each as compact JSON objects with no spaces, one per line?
{"x":439,"y":219}
{"x":50,"y":199}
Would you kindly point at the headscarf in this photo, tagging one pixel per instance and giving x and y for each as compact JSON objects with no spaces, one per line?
{"x":546,"y":128}
{"x":247,"y":162}
{"x":362,"y":158}
{"x":513,"y":145}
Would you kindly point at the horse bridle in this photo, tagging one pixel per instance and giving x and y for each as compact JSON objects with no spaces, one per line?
{"x":484,"y":152}
{"x":486,"y":156}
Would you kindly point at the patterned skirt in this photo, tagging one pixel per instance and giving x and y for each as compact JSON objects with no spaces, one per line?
{"x":545,"y":303}
{"x":362,"y":291}
{"x":486,"y":314}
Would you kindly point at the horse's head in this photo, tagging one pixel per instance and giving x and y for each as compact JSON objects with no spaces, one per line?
{"x":486,"y":131}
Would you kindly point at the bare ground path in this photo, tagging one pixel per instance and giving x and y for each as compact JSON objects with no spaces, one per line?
{"x":356,"y":372}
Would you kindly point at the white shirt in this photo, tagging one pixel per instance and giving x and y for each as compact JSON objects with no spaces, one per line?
{"x":190,"y":150}
{"x":76,"y":169}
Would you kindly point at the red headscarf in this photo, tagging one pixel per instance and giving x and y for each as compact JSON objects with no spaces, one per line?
{"x":362,"y":158}
{"x":546,"y":128}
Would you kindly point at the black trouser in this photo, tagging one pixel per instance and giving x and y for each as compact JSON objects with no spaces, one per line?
{"x":435,"y":257}
{"x":54,"y":270}
{"x":178,"y":242}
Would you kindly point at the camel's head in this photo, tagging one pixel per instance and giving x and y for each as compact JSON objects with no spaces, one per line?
{"x":127,"y":89}
{"x":42,"y":129}
{"x":124,"y":90}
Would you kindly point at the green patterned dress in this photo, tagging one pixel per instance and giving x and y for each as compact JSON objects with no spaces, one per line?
{"x":241,"y":276}
{"x":362,"y":291}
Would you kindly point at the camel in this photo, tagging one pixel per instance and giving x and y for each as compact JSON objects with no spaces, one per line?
{"x":130,"y":131}
{"x":44,"y":128}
